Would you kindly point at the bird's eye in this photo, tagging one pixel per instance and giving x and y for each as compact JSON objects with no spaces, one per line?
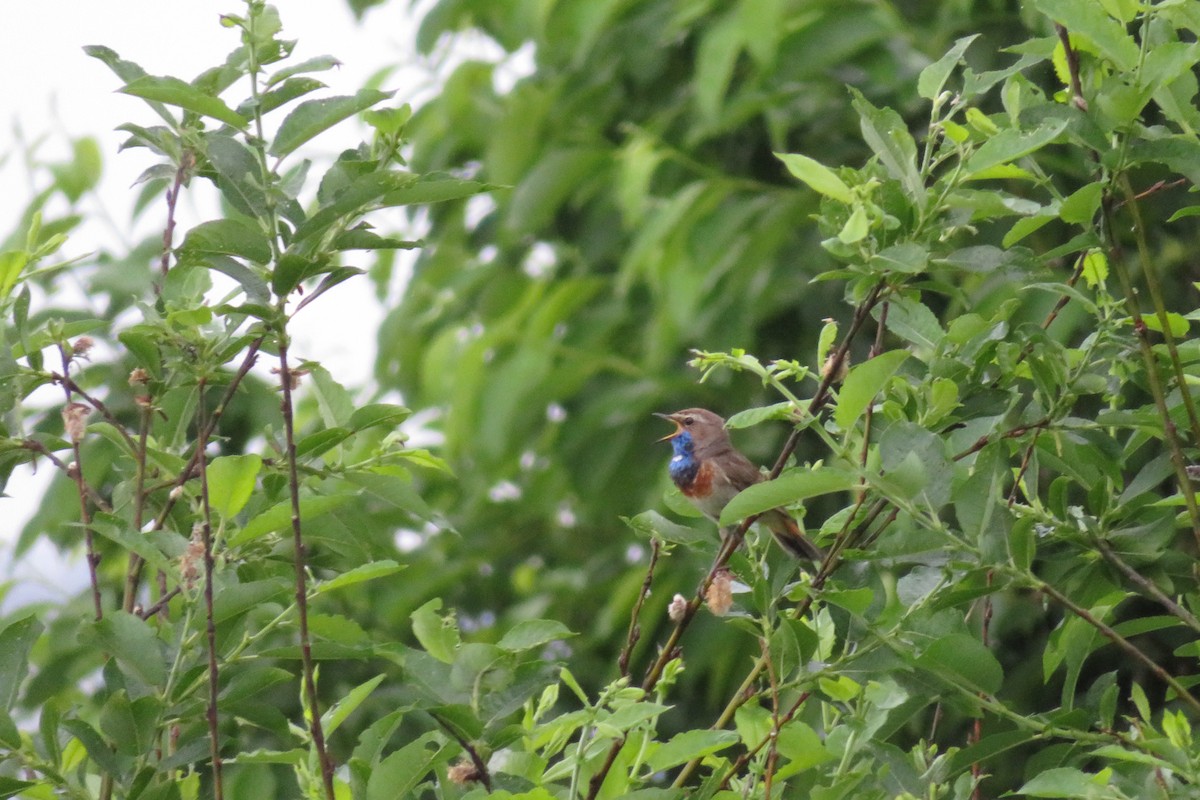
{"x":688,"y":420}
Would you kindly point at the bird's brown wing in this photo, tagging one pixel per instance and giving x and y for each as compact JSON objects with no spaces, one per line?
{"x":742,"y":473}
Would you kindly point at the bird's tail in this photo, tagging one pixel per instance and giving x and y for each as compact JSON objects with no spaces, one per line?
{"x":788,"y":534}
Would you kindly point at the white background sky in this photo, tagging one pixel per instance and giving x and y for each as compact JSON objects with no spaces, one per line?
{"x":53,"y":90}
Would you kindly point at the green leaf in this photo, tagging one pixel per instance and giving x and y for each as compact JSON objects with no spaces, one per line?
{"x":11,"y":787}
{"x":1177,"y":324}
{"x":279,"y":516}
{"x":1095,"y":268}
{"x":862,"y":383}
{"x":886,"y":134}
{"x":251,"y":282}
{"x":966,"y":658}
{"x":790,"y":487}
{"x":234,"y":599}
{"x":132,"y":643}
{"x":16,"y":640}
{"x":174,"y":92}
{"x":131,"y":725}
{"x":313,"y":117}
{"x":400,"y":772}
{"x":933,"y":78}
{"x":1082,"y":205}
{"x":360,"y":574}
{"x":227,"y":237}
{"x":1087,"y":18}
{"x":1063,"y":782}
{"x":238,"y":175}
{"x":530,"y":633}
{"x":1011,"y":144}
{"x":819,"y":177}
{"x":913,"y":321}
{"x":333,"y":717}
{"x":688,"y":745}
{"x":802,"y":747}
{"x":231,"y":481}
{"x":378,"y":415}
{"x":908,"y":258}
{"x":437,"y":634}
{"x":96,"y":747}
{"x":856,"y":228}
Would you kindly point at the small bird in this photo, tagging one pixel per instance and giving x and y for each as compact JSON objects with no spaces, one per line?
{"x":710,"y":471}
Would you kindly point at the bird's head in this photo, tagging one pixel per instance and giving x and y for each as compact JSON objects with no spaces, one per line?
{"x":695,"y":425}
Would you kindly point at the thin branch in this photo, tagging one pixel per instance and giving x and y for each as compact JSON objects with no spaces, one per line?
{"x":1121,"y":642}
{"x":185,"y":165}
{"x":1150,"y":274}
{"x":134,"y":570}
{"x":1072,"y":67}
{"x":481,"y":770}
{"x":75,"y":425}
{"x":300,"y":567}
{"x":634,"y":634}
{"x":160,"y":605}
{"x":210,"y":625}
{"x":189,"y":469}
{"x":39,"y":448}
{"x":1153,"y":379}
{"x":1145,"y":585}
{"x":95,"y":402}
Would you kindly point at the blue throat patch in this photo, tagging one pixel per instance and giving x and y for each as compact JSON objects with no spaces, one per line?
{"x":683,"y":465}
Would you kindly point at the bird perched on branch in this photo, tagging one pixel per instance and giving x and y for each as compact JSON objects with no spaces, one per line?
{"x":710,"y":471}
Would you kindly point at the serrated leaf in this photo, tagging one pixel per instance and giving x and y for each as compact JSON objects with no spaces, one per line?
{"x":402,"y":770}
{"x":817,"y":176}
{"x":132,"y":643}
{"x":1011,"y":144}
{"x":886,"y":134}
{"x":437,"y":634}
{"x":1087,"y":18}
{"x":1082,"y":205}
{"x":174,"y":92}
{"x":227,"y":237}
{"x":908,"y":257}
{"x":16,"y":640}
{"x":360,"y":574}
{"x":231,"y":480}
{"x":966,"y":658}
{"x":790,"y":487}
{"x":862,"y":383}
{"x":279,"y":516}
{"x":531,"y":633}
{"x":689,"y":745}
{"x":933,"y":78}
{"x":313,"y":117}
{"x":1062,"y":782}
{"x":332,"y":719}
{"x":1177,"y":324}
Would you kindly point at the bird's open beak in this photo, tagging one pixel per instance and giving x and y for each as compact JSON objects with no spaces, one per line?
{"x":670,"y":418}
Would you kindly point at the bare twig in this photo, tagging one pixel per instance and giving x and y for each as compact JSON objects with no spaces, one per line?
{"x":300,"y":566}
{"x":634,"y":634}
{"x":1072,"y":67}
{"x":1121,"y":642}
{"x":1153,"y":379}
{"x":210,"y":625}
{"x":1145,"y":585}
{"x":75,"y":426}
{"x":181,"y":173}
{"x":481,"y":770}
{"x":72,"y":387}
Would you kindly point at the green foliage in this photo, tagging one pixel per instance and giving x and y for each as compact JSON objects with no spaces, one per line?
{"x":974,"y":225}
{"x":992,"y":440}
